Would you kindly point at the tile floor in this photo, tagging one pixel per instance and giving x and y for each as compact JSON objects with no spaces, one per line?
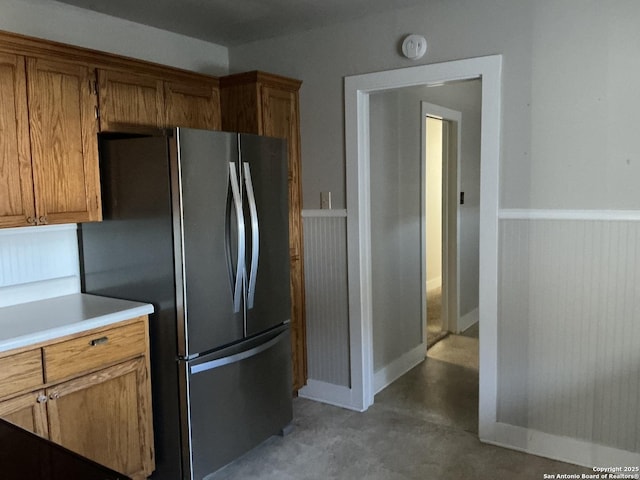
{"x":423,"y":426}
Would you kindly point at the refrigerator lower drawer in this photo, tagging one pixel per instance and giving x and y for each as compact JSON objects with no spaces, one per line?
{"x":238,"y":400}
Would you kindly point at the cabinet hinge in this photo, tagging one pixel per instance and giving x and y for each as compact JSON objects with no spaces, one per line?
{"x":93,"y":87}
{"x":97,"y":110}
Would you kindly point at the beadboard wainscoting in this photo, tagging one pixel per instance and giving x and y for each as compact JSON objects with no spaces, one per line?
{"x":327,"y":307}
{"x":569,"y":324}
{"x":38,"y":263}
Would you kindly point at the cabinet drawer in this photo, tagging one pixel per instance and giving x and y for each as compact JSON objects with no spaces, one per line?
{"x":20,"y":372}
{"x":86,"y":353}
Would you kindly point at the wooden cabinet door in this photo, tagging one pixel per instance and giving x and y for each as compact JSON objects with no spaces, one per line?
{"x":129,"y":98}
{"x":192,"y":104}
{"x":105,"y":416}
{"x":27,"y":411}
{"x":280,"y":118}
{"x":64,"y":144}
{"x":17,"y":206}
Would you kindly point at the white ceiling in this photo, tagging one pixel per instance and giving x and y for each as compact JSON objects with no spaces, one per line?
{"x":233,"y":22}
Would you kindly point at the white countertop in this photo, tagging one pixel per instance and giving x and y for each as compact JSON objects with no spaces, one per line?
{"x":34,"y":322}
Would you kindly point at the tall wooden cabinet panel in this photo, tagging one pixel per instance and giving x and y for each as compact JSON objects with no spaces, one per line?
{"x":130,"y":98}
{"x":104,"y":416}
{"x":192,"y":104}
{"x":265,"y":104}
{"x":17,"y":206}
{"x":64,"y":148}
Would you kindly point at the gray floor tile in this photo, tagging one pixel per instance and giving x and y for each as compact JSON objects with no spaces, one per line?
{"x":421,"y":427}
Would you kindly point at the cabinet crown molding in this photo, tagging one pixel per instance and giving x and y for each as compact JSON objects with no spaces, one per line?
{"x":257,"y":76}
{"x":15,"y":43}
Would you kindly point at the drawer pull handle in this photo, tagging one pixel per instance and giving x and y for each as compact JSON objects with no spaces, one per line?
{"x":42,"y":398}
{"x":54,"y":396}
{"x":99,"y":341}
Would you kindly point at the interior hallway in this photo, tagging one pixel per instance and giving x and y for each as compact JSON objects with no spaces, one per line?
{"x":423,"y":426}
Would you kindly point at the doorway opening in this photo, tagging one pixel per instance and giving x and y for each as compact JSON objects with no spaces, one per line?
{"x":436,"y":132}
{"x":451,"y":191}
{"x":357,"y":98}
{"x":452,"y":170}
{"x":441,"y":130}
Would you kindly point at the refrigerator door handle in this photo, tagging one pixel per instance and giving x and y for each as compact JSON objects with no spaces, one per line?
{"x":237,"y":201}
{"x":238,"y":357}
{"x":255,"y":235}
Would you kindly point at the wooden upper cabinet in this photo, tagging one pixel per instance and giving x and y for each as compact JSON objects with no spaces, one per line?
{"x":192,"y":104}
{"x":64,"y":145}
{"x":266,"y":104}
{"x":48,"y":145}
{"x":280,"y":118}
{"x":17,"y":206}
{"x":130,"y":98}
{"x":54,"y":99}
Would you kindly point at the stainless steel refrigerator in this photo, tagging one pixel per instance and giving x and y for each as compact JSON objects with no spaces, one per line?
{"x":196,"y":223}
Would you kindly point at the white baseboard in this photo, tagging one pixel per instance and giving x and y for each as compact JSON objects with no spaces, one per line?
{"x":434,"y":283}
{"x":468,"y":320}
{"x":324,"y":392}
{"x":570,"y":450}
{"x":401,"y":365}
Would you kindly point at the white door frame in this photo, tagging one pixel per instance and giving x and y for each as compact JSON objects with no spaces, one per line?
{"x":357,"y":91}
{"x":450,"y":219}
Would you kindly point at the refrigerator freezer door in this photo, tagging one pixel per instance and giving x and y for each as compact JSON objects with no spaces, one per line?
{"x":265,"y":173}
{"x":238,"y":398}
{"x":210,"y":239}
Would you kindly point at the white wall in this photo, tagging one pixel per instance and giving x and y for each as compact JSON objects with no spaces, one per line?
{"x":327,"y":310}
{"x":28,"y":270}
{"x":75,"y":26}
{"x":38,"y":263}
{"x":322,"y":58}
{"x":395,"y":229}
{"x":566,"y":63}
{"x":569,"y":67}
{"x":464,"y":97}
{"x":573,"y":367}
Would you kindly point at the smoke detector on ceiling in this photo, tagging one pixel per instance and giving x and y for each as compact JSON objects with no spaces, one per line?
{"x":414,"y":46}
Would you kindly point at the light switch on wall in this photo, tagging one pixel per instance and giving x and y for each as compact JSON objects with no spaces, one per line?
{"x":325,"y":200}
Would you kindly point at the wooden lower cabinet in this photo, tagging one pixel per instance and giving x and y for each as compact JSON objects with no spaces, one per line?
{"x":27,"y":411}
{"x":104,"y":416}
{"x":97,"y":404}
